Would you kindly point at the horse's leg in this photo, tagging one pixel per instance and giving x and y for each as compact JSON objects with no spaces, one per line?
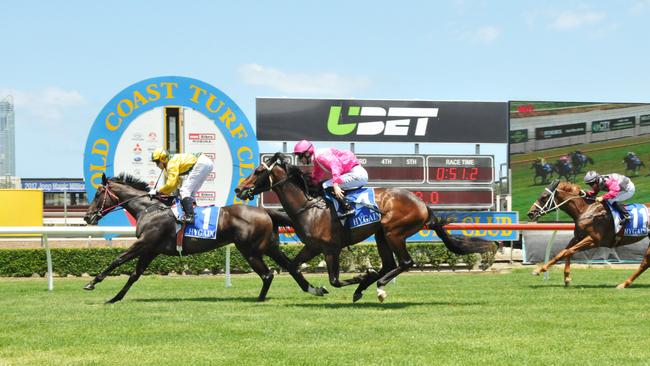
{"x":572,"y":248}
{"x":262,"y":270}
{"x":283,"y":261}
{"x":143,"y":263}
{"x":398,"y":246}
{"x":128,"y":255}
{"x":387,"y":265}
{"x":306,"y":254}
{"x":645,"y":263}
{"x":567,"y":271}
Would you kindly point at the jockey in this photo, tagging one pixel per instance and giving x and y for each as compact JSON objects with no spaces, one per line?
{"x":619,"y":188}
{"x":341,"y":166}
{"x":541,"y":161}
{"x":197,"y":167}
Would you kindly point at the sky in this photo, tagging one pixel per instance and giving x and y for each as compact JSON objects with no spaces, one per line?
{"x":62,"y":61}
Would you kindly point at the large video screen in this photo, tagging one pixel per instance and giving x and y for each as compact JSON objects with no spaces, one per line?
{"x":564,"y":140}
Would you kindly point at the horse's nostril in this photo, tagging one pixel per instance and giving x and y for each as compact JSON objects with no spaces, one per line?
{"x":237,"y":190}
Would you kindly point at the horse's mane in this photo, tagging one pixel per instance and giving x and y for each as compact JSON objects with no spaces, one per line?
{"x":569,"y":187}
{"x":131,"y":181}
{"x":295,"y":174}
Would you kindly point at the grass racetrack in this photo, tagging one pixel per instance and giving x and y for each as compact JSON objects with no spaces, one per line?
{"x":428,"y":319}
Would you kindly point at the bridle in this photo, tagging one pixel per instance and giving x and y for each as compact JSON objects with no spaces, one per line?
{"x":103,"y":210}
{"x":550,"y":205}
{"x":251,"y":192}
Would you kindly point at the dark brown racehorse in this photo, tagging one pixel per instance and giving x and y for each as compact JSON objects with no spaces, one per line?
{"x":594,"y":226}
{"x":319,"y":228}
{"x":253,"y":230}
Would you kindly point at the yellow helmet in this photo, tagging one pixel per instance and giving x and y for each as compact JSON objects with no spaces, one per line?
{"x":159,"y":155}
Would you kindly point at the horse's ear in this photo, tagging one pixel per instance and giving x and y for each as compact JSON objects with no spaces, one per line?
{"x":104,"y":180}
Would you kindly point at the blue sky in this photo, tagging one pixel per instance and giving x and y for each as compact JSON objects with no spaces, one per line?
{"x":63,"y":61}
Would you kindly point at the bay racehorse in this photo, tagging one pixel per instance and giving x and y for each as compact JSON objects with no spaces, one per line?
{"x":544,"y":171}
{"x":579,"y":160}
{"x":593,"y":226}
{"x":633,"y":164}
{"x":253,"y":230}
{"x":319,"y":228}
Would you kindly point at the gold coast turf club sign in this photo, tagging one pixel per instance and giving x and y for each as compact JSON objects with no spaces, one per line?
{"x":168,"y":111}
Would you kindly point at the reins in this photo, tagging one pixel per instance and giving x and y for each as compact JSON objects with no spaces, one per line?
{"x":550,"y":205}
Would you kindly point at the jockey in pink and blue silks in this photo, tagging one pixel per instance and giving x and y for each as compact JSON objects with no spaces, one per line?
{"x":341,"y":167}
{"x":619,"y":188}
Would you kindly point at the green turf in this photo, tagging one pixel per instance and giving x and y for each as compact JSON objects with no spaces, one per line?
{"x":428,"y":319}
{"x":608,"y":158}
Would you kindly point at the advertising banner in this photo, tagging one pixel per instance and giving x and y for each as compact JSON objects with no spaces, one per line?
{"x":573,"y":129}
{"x":612,"y":124}
{"x":289,"y":119}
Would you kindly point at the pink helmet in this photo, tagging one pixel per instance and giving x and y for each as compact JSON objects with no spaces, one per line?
{"x":303,"y":146}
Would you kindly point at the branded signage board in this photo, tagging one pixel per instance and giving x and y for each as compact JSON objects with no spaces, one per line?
{"x":613,"y":124}
{"x":133,"y":124}
{"x":574,"y":129}
{"x":644,"y":120}
{"x":286,"y":119}
{"x":518,"y":136}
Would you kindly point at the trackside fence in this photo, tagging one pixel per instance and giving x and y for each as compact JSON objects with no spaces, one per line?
{"x":46,"y":232}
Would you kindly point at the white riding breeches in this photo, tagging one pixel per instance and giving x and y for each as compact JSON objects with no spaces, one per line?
{"x":624,"y":195}
{"x":196,"y":176}
{"x":355,"y":178}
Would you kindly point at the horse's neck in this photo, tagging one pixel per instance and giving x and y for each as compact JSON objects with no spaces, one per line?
{"x":135,"y":198}
{"x":292,"y":197}
{"x":573,"y":205}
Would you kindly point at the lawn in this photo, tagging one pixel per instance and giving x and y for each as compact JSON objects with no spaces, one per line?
{"x":428,"y":319}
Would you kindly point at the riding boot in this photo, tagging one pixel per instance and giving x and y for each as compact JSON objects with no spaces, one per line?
{"x":625,"y":216}
{"x":346,"y":208}
{"x":188,"y":208}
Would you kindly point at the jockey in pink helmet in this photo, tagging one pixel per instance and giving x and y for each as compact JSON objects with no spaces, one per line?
{"x":340,"y":168}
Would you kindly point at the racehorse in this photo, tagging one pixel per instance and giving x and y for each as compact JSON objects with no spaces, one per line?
{"x":593,"y":226}
{"x":632,"y":165}
{"x":253,"y":230}
{"x":564,"y":168}
{"x":579,"y":160}
{"x":318,"y":226}
{"x":544,"y":171}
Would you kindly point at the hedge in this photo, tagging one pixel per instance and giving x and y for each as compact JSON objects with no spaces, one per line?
{"x":357,"y":258}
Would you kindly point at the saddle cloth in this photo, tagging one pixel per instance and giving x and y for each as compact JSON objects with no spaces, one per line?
{"x":365,"y":208}
{"x":638,"y":223}
{"x":205,"y":221}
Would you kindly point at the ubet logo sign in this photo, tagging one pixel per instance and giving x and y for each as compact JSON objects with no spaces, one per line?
{"x":393,"y":121}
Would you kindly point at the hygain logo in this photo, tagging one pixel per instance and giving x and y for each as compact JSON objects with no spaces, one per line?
{"x":398,"y":122}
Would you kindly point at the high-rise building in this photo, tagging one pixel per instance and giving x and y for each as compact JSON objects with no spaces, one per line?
{"x":7,"y":138}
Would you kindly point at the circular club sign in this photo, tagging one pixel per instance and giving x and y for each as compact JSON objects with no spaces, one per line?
{"x":174,"y":111}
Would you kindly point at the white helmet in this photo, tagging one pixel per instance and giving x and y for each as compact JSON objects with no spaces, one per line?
{"x":592,"y":177}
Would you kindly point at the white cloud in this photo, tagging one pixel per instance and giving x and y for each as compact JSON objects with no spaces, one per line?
{"x":302,"y":84}
{"x":48,"y":104}
{"x":568,"y":20}
{"x":487,"y":34}
{"x":639,"y":7}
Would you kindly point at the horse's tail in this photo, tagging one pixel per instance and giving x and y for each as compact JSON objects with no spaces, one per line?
{"x":458,"y":244}
{"x":279,"y":218}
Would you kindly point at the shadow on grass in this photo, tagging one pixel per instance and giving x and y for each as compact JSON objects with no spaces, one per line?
{"x":201,"y":299}
{"x":578,"y":286}
{"x":386,"y":305}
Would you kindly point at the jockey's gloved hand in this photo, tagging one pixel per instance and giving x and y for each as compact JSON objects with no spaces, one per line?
{"x":152,"y":192}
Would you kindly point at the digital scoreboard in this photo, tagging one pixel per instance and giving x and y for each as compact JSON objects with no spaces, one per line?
{"x":441,"y":181}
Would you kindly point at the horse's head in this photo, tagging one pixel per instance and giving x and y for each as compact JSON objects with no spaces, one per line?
{"x":104,"y":200}
{"x":545,"y":203}
{"x":272,"y":172}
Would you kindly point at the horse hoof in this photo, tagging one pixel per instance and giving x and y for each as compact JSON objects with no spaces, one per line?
{"x":621,"y":286}
{"x":567,"y":283}
{"x":89,"y":287}
{"x":381,"y":294}
{"x":535,"y":273}
{"x":357,"y":296}
{"x":323,"y":291}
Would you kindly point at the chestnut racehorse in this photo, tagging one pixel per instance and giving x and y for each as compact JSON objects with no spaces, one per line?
{"x":253,"y":230}
{"x":319,"y":228}
{"x":593,"y":226}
